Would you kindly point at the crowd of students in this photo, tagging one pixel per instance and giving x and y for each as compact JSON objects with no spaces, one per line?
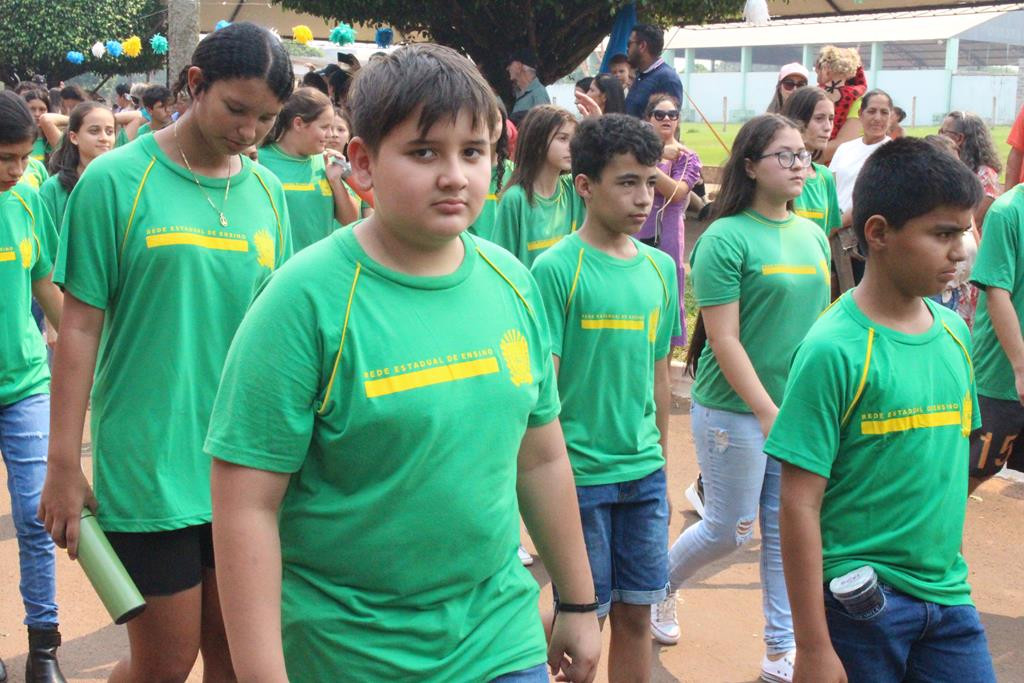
{"x":328,"y":383}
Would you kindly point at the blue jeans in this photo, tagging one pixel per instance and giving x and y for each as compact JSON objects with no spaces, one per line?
{"x":910,"y":640}
{"x":738,"y":479}
{"x":535,"y":674}
{"x":24,"y":437}
{"x":625,"y":527}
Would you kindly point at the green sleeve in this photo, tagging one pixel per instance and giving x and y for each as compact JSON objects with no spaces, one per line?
{"x":47,"y":236}
{"x":963,"y":335}
{"x":87,"y":256}
{"x":579,"y":207}
{"x":508,"y":220}
{"x":277,"y":346}
{"x":286,"y":228}
{"x":835,"y":214}
{"x":668,"y":322}
{"x":554,"y":293}
{"x":806,"y":431}
{"x":996,"y":265}
{"x":548,"y":405}
{"x":716,"y":271}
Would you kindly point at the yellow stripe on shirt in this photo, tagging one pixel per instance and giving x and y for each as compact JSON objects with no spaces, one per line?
{"x":543,"y":244}
{"x":8,"y":256}
{"x":789,"y":270}
{"x":611,"y":324}
{"x":169,"y":239}
{"x":806,"y":213}
{"x":431,"y":376}
{"x":298,"y":187}
{"x":946,"y":418}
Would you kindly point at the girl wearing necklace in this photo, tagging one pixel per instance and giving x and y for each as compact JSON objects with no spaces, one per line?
{"x":165,"y":242}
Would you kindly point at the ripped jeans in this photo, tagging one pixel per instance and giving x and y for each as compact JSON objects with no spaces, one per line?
{"x":738,"y":478}
{"x":24,"y":436}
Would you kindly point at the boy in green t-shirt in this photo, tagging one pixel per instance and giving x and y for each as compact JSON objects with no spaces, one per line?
{"x":387,"y":406}
{"x":612,"y":305}
{"x":873,"y":434}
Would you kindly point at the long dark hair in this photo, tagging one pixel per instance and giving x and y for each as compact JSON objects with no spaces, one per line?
{"x":241,"y":50}
{"x":535,"y":135}
{"x":977,"y":149}
{"x":614,"y":97}
{"x":16,"y":122}
{"x":306,"y":103}
{"x":737,"y":194}
{"x":501,"y":152}
{"x":67,"y":156}
{"x":800,"y":107}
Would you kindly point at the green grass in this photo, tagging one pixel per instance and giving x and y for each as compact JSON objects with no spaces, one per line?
{"x":697,"y":137}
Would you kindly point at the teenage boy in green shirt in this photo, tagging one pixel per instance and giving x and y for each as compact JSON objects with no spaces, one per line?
{"x":383,"y":404}
{"x":873,"y":434}
{"x":612,"y":305}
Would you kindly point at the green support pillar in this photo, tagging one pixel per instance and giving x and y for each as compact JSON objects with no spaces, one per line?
{"x":807,"y":59}
{"x":876,"y":64}
{"x":952,"y":63}
{"x":746,"y":57}
{"x":691,"y":66}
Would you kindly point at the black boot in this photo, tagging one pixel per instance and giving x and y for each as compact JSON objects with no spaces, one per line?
{"x":42,"y":666}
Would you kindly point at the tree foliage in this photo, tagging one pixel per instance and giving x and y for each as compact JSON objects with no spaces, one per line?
{"x":562,"y":32}
{"x":36,"y":35}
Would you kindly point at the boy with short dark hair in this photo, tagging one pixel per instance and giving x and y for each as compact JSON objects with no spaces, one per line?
{"x":388,"y":394}
{"x":157,"y":101}
{"x":612,"y":305}
{"x":873,"y":435}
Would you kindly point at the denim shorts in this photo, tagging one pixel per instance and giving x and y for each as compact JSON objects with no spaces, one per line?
{"x":535,"y":674}
{"x":625,"y":526}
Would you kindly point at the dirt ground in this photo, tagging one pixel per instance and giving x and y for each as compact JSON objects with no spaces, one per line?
{"x":720,"y":612}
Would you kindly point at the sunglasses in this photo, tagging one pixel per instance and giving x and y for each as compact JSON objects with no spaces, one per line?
{"x":662,"y":114}
{"x":790,"y":84}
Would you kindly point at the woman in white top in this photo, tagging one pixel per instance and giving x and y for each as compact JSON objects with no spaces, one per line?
{"x":875,"y":113}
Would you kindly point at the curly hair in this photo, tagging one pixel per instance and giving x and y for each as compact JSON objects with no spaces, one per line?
{"x":840,"y":60}
{"x":977,"y":149}
{"x":599,"y":139}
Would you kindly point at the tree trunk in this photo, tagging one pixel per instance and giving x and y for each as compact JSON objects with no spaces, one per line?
{"x":182,"y":35}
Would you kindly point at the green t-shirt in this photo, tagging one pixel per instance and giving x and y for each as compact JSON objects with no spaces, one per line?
{"x":27,"y":241}
{"x":610,"y":319}
{"x":1000,"y":263}
{"x":819,"y":201}
{"x":865,"y":408}
{"x":309,"y":195}
{"x":483,"y":226}
{"x":527,"y":230}
{"x":40,"y":149}
{"x":144,"y":129}
{"x":55,"y":197}
{"x":779,"y":273}
{"x":141,"y":242}
{"x":122,"y":137}
{"x":35,"y":174}
{"x":398,"y":407}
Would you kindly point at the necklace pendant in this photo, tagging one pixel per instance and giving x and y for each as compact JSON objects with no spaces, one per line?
{"x":223,"y":221}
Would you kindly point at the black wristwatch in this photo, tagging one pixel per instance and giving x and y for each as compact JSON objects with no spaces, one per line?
{"x":578,"y":608}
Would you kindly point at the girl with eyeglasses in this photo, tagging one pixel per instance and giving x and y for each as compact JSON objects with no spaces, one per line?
{"x":761,"y":277}
{"x":678,"y":172}
{"x":791,"y":77}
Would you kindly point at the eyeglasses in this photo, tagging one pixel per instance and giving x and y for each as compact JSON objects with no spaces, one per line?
{"x":789,"y":84}
{"x":951,"y":134}
{"x":787,"y":158}
{"x":662,"y":114}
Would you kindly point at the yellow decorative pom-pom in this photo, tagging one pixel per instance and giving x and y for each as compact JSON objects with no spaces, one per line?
{"x":302,"y":34}
{"x":132,"y":47}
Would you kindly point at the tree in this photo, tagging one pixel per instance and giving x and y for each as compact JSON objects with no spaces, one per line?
{"x":36,"y":35}
{"x":562,"y":32}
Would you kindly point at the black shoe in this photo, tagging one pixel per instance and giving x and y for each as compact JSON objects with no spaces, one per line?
{"x":3,"y":672}
{"x":695,"y":494}
{"x":41,"y":665}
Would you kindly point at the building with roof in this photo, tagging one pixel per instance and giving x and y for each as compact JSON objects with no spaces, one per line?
{"x":931,"y":61}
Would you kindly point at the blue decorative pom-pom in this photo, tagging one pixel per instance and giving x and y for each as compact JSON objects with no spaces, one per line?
{"x":114,"y":48}
{"x":158,"y":44}
{"x":223,"y":23}
{"x":384,"y":37}
{"x":75,"y":57}
{"x":343,"y":34}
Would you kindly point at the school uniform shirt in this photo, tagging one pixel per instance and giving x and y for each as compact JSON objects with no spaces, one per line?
{"x":144,"y":129}
{"x":885,"y":417}
{"x":141,"y":242}
{"x":55,"y":198}
{"x":1000,"y":263}
{"x":779,"y":273}
{"x":846,"y":164}
{"x":35,"y":174}
{"x":40,"y":149}
{"x":398,"y":407}
{"x":309,"y":195}
{"x":27,"y":239}
{"x":527,"y":230}
{"x":610,"y":320}
{"x":483,"y":226}
{"x":819,"y":201}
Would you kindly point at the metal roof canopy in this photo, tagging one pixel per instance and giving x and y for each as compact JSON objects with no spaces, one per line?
{"x":984,"y":23}
{"x":836,"y":8}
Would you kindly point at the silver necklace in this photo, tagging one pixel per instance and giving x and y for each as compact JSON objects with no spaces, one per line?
{"x":219,"y":212}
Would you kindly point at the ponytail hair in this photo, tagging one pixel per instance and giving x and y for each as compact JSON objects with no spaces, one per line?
{"x":306,"y":103}
{"x":16,"y":122}
{"x":241,"y":50}
{"x":65,"y":159}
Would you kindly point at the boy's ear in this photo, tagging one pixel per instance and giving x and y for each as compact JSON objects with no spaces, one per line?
{"x":876,"y":232}
{"x":584,"y":186}
{"x":360,"y":159}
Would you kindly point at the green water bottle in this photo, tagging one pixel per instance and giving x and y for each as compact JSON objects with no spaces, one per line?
{"x":106,"y":573}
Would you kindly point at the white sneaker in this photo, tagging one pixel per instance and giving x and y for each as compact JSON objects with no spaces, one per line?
{"x":779,"y":671}
{"x":664,"y":624}
{"x":695,"y":494}
{"x":524,"y":556}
